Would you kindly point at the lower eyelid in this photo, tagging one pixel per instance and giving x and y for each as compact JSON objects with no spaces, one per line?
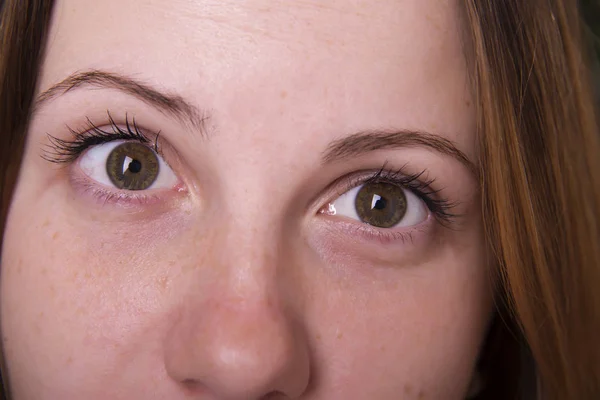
{"x":346,"y":232}
{"x":103,"y":195}
{"x":99,"y":194}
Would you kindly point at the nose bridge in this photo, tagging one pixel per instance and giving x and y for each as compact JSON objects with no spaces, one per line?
{"x":240,"y":338}
{"x":253,"y":247}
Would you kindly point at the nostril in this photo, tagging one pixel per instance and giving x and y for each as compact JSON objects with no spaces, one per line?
{"x":192,"y":386}
{"x":274,"y":395}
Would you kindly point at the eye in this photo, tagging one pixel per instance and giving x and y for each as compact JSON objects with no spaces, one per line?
{"x":381,"y":204}
{"x":127,"y":165}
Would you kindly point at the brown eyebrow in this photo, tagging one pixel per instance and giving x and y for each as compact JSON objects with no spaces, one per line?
{"x":169,"y":103}
{"x":364,"y":142}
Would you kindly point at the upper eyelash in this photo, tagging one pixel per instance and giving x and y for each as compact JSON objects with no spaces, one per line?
{"x":440,"y":207}
{"x":63,"y":151}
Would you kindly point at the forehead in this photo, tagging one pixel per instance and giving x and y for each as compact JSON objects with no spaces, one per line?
{"x":384,"y":63}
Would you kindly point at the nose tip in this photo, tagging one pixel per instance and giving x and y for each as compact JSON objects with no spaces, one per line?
{"x":248,"y":352}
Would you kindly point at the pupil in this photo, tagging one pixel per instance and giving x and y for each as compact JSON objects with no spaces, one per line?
{"x":378,"y":203}
{"x":135,"y":166}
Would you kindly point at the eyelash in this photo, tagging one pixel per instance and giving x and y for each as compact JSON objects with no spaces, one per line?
{"x":67,"y":151}
{"x":440,"y":207}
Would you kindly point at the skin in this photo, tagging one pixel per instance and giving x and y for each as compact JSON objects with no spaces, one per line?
{"x":232,"y":284}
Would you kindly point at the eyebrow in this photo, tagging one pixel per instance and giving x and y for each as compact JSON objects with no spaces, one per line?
{"x":365,"y":142}
{"x":171,"y":104}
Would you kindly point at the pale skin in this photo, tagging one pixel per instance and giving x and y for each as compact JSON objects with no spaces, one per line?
{"x":235,"y":282}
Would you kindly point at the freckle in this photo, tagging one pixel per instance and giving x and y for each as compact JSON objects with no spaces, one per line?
{"x":163,"y":282}
{"x":318,"y":337}
{"x":407,"y":389}
{"x":44,"y":271}
{"x":55,"y":236}
{"x":421,"y":395}
{"x":382,"y":348}
{"x":69,"y":360}
{"x":468,"y":103}
{"x":87,"y":275}
{"x":340,"y":335}
{"x":46,"y":223}
{"x":52,"y":291}
{"x":283,"y":94}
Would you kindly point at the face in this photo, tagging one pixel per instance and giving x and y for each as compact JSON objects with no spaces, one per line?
{"x":248,"y":200}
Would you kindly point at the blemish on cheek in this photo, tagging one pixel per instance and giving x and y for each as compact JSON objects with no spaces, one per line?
{"x":283,"y":94}
{"x":421,"y":395}
{"x":408,"y":389}
{"x":318,"y":337}
{"x":163,"y":282}
{"x":55,"y":235}
{"x":46,"y":223}
{"x":52,"y":291}
{"x":69,"y":361}
{"x":340,"y":335}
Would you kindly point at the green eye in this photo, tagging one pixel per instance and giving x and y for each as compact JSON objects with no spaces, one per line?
{"x":132,"y":166}
{"x":381,"y":204}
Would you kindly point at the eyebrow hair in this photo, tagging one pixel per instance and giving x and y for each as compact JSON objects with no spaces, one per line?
{"x":365,"y":142}
{"x":172,"y":104}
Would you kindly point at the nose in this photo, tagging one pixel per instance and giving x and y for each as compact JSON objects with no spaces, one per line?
{"x":237,"y":339}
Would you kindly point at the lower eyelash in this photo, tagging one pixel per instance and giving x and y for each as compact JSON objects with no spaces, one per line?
{"x":104,"y":196}
{"x":386,"y":236}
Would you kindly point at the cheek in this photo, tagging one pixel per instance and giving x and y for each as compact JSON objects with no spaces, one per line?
{"x":414,"y":328}
{"x":420,"y":335}
{"x":78,"y":301}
